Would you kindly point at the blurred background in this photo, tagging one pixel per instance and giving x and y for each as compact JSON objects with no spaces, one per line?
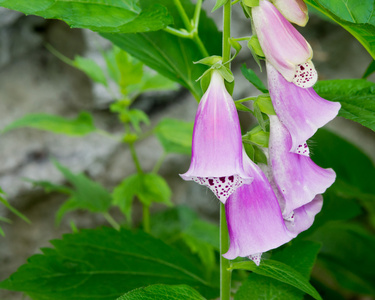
{"x":33,"y":80}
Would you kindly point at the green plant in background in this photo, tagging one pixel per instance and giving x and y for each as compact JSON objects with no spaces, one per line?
{"x":178,"y":255}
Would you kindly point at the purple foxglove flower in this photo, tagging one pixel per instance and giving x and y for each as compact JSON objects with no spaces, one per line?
{"x":216,"y":159}
{"x":294,"y":11}
{"x":303,"y":217}
{"x":254,"y":218}
{"x":297,"y":178}
{"x":284,"y":47}
{"x":301,"y":111}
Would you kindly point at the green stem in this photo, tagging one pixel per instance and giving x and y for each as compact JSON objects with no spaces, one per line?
{"x":197,"y":13}
{"x":111,"y":221}
{"x":183,"y":15}
{"x":146,"y":218}
{"x":200,"y":45}
{"x":135,"y":158}
{"x":179,"y":33}
{"x":159,"y":163}
{"x":225,"y":274}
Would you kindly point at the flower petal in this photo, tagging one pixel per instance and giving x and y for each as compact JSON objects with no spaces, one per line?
{"x":294,"y":11}
{"x":216,"y":159}
{"x":284,"y":47}
{"x":254,"y":219}
{"x":301,"y":111}
{"x":303,"y":217}
{"x":297,"y":178}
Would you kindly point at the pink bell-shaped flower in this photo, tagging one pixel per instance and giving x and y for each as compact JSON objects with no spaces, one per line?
{"x":216,"y":159}
{"x":254,"y":218}
{"x":283,"y":46}
{"x":297,"y":178}
{"x":301,"y":111}
{"x":294,"y":11}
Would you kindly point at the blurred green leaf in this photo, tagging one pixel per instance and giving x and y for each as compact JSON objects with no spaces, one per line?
{"x":301,"y":255}
{"x":169,"y":55}
{"x":104,"y":263}
{"x":11,"y":208}
{"x":175,"y":135}
{"x":148,"y":188}
{"x":281,"y":272}
{"x":81,"y":126}
{"x":219,"y":3}
{"x":50,"y":186}
{"x":91,"y":69}
{"x":167,"y":292}
{"x":347,"y":254}
{"x":370,"y":69}
{"x":85,"y":194}
{"x":357,"y":17}
{"x":136,"y":117}
{"x":253,"y":78}
{"x":357,"y":98}
{"x":99,"y":15}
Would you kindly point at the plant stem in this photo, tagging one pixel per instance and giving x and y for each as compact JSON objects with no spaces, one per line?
{"x":111,"y":221}
{"x":159,"y":163}
{"x":146,"y":218}
{"x":225,"y":274}
{"x":135,"y":158}
{"x":183,"y":15}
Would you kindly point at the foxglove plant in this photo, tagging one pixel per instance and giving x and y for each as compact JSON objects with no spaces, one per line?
{"x":216,"y":159}
{"x":295,"y":11}
{"x":283,"y":46}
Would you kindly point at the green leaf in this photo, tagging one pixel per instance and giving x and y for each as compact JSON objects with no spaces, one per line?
{"x":98,"y":15}
{"x":370,"y":69}
{"x":11,"y":208}
{"x":241,"y":107}
{"x":137,"y":117}
{"x":104,"y":264}
{"x":357,"y":98}
{"x":357,"y":17}
{"x":257,"y":136}
{"x":219,"y":3}
{"x":50,"y":187}
{"x":344,"y":247}
{"x":165,"y":292}
{"x":265,"y":104}
{"x":86,"y":194}
{"x":169,"y":55}
{"x":148,"y":188}
{"x":281,"y":272}
{"x":301,"y":255}
{"x":91,"y":69}
{"x":81,"y":126}
{"x":175,"y":135}
{"x":250,"y":75}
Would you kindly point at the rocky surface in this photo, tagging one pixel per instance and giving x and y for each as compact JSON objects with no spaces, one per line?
{"x":33,"y":80}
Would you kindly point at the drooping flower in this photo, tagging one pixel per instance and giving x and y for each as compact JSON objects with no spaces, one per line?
{"x":216,"y":159}
{"x":254,"y":218}
{"x":295,"y":176}
{"x":283,"y":46}
{"x":300,"y":110}
{"x":294,"y":11}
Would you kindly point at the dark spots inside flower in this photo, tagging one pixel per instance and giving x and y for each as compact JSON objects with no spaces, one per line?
{"x":231,"y":178}
{"x":222,"y":179}
{"x":210,"y":181}
{"x":302,"y":68}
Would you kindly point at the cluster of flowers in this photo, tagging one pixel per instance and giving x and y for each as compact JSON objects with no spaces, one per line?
{"x":264,"y":212}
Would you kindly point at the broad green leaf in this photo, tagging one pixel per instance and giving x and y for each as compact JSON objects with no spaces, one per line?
{"x":301,"y":255}
{"x":250,"y":75}
{"x":165,"y":292}
{"x":104,"y":264}
{"x":370,"y":69}
{"x":82,"y":125}
{"x":357,"y":17}
{"x":169,"y":55}
{"x":85,"y":194}
{"x":347,"y":254}
{"x":98,"y":15}
{"x":357,"y":98}
{"x":257,"y":136}
{"x":281,"y":272}
{"x":241,"y":107}
{"x":91,"y":69}
{"x":175,"y":135}
{"x":148,"y":188}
